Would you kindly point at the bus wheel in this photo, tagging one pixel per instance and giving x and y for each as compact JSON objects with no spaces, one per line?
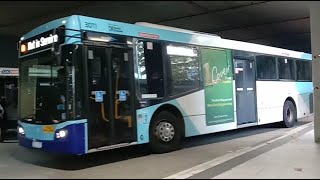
{"x":165,"y":133}
{"x":289,"y":114}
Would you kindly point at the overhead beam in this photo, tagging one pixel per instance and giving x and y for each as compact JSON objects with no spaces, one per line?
{"x":255,"y":25}
{"x":214,"y":11}
{"x":278,"y":34}
{"x":198,"y":6}
{"x":33,"y":18}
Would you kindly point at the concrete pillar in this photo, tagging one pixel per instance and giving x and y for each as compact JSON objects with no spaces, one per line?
{"x":315,"y":46}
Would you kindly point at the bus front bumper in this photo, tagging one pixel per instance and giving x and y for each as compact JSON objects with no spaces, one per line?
{"x":74,"y":141}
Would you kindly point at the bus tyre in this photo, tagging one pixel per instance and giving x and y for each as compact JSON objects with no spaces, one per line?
{"x":165,"y":133}
{"x":289,"y":114}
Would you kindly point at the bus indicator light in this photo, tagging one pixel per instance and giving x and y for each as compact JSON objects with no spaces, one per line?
{"x":23,"y":48}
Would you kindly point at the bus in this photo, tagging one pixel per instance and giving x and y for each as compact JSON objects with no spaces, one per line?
{"x":89,"y":84}
{"x":8,"y":102}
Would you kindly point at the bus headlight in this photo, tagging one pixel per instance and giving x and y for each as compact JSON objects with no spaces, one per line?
{"x":61,"y":133}
{"x":21,"y":130}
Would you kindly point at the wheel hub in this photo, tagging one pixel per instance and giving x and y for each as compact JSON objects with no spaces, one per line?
{"x":289,"y":114}
{"x":165,"y":131}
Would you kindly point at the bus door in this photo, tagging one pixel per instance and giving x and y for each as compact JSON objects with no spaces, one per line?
{"x":245,"y":91}
{"x":110,"y":88}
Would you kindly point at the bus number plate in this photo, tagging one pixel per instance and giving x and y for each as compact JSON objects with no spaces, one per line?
{"x":36,"y":144}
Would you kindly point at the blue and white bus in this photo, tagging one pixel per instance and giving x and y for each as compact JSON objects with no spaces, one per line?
{"x":89,"y":84}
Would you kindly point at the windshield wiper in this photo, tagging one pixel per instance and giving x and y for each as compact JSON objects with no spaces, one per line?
{"x":29,"y":116}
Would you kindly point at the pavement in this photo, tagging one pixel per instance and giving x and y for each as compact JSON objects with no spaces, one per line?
{"x":253,"y":152}
{"x":297,"y":159}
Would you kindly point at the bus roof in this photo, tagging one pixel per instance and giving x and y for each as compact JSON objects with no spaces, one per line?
{"x":151,"y":31}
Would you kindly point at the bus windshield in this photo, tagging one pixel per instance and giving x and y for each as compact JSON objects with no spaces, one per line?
{"x":42,"y":90}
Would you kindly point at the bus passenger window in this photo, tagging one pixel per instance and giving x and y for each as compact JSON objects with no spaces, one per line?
{"x":304,"y":70}
{"x":150,"y":69}
{"x":286,"y":68}
{"x":183,"y":74}
{"x":266,"y":67}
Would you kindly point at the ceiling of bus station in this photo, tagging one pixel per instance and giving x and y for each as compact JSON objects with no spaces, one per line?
{"x":277,"y":23}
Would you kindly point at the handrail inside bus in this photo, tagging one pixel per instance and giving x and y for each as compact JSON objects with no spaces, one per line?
{"x":117,"y":102}
{"x":103,"y":114}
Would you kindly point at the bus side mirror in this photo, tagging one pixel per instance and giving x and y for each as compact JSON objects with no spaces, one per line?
{"x":56,"y":51}
{"x":65,"y":52}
